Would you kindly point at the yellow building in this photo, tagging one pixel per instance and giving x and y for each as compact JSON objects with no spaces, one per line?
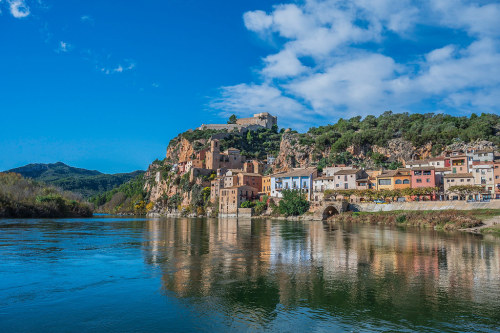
{"x":266,"y":185}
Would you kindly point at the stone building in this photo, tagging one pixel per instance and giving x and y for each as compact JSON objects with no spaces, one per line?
{"x":229,"y":159}
{"x":259,"y":120}
{"x":231,"y":198}
{"x":253,"y":166}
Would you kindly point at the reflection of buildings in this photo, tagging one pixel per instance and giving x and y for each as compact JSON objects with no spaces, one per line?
{"x":255,"y":265}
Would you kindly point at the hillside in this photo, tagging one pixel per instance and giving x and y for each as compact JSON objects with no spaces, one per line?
{"x":21,"y":197}
{"x":82,"y":181}
{"x":370,"y":142}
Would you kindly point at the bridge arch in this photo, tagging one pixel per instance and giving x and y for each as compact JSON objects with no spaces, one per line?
{"x":330,"y":211}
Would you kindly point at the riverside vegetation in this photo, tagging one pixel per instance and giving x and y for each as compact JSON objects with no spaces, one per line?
{"x":20,"y":197}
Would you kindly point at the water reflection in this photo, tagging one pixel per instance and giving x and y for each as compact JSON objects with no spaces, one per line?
{"x":263,"y":273}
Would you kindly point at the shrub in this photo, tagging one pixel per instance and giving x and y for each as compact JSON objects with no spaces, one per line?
{"x":293,"y":203}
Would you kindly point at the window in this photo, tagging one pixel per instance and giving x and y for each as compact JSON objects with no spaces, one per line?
{"x":428,"y":180}
{"x":384,"y":182}
{"x":417,"y":173}
{"x":461,"y":180}
{"x":399,"y":181}
{"x":406,"y":181}
{"x":419,"y":180}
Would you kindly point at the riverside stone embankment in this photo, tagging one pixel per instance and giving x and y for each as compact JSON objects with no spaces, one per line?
{"x":429,"y":205}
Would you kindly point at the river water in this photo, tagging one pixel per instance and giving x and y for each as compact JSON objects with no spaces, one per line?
{"x":156,"y":275}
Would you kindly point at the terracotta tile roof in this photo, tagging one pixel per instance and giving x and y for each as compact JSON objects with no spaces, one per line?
{"x":347,"y":172}
{"x":325,"y":178}
{"x":423,"y":168}
{"x":458,"y":175}
{"x":298,"y":173}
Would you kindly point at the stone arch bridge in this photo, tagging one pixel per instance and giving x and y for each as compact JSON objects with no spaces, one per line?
{"x":330,"y":208}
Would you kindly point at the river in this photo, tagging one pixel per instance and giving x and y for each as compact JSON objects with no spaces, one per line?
{"x":155,"y":275}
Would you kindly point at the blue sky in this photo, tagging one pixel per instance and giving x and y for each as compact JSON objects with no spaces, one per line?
{"x":105,"y":85}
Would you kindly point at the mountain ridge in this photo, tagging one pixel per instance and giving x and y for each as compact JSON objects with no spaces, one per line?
{"x":79,"y":180}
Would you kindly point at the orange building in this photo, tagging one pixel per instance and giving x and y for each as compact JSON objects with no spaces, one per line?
{"x":394,"y":180}
{"x":266,"y":185}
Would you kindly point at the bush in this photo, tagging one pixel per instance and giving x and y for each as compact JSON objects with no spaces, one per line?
{"x":247,"y":204}
{"x":293,"y":203}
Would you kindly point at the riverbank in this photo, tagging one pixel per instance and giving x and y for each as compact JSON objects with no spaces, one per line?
{"x":26,"y":198}
{"x":469,"y":221}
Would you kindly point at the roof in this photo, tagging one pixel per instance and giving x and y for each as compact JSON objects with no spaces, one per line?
{"x":324,"y":178}
{"x":306,"y":172}
{"x":393,"y":173}
{"x":250,"y":174}
{"x":238,"y":187}
{"x":458,"y":156}
{"x":482,"y":151}
{"x":458,"y":175}
{"x":347,"y":172}
{"x":443,"y":169}
{"x":423,"y":168}
{"x":363,"y":180}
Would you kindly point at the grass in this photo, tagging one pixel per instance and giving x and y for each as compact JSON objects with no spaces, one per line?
{"x":440,"y":220}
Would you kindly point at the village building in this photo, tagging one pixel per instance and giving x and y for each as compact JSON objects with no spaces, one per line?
{"x":483,"y":173}
{"x":423,"y":177}
{"x":437,"y":162}
{"x":229,"y":159}
{"x":487,"y":155}
{"x":346,"y":179}
{"x":321,"y":184}
{"x":215,"y":186}
{"x":193,"y":164}
{"x":496,"y":178}
{"x":298,"y":179}
{"x":250,"y":179}
{"x":364,"y":184}
{"x":457,"y":179}
{"x":394,"y":179}
{"x":330,"y":171}
{"x":231,"y":198}
{"x":253,"y":166}
{"x":459,"y":164}
{"x":266,"y":185}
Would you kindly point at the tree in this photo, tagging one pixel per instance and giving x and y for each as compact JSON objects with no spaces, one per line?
{"x":465,"y":190}
{"x":232,"y":119}
{"x":293,"y":203}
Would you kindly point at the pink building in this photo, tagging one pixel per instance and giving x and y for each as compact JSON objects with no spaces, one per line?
{"x":423,"y":177}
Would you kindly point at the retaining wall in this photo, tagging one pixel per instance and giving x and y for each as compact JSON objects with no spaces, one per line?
{"x":428,"y":205}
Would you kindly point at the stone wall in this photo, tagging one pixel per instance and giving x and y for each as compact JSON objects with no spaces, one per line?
{"x":429,"y":205}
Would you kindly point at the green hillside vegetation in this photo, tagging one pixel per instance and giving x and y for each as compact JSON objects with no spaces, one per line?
{"x":82,"y":181}
{"x":129,"y":197}
{"x":20,"y":197}
{"x":419,"y":129}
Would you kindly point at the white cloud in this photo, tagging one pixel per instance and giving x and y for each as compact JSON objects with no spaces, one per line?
{"x":324,"y":68}
{"x":64,"y":47}
{"x":118,"y":68}
{"x":18,"y":8}
{"x":87,"y":19}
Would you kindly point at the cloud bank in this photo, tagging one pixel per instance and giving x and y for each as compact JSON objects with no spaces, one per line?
{"x":342,"y":58}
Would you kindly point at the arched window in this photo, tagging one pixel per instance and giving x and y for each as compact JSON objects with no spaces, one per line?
{"x":406,"y":181}
{"x":398,"y":181}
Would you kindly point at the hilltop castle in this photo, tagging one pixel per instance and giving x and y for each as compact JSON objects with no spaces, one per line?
{"x":259,"y":120}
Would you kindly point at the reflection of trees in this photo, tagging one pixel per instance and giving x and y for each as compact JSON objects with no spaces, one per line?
{"x":353,"y":272}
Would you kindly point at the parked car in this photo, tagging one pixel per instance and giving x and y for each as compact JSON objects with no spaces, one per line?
{"x":379,"y":201}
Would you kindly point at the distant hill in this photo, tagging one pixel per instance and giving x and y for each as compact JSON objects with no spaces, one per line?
{"x":82,"y":181}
